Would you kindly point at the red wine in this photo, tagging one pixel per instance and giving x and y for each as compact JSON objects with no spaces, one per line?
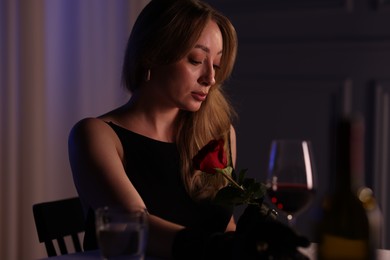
{"x":290,"y":198}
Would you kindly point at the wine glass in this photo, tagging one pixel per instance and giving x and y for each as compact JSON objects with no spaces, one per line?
{"x":291,"y":182}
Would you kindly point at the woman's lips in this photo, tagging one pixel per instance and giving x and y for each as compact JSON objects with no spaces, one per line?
{"x":199,"y":96}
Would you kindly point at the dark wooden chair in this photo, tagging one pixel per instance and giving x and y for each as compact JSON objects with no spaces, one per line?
{"x":55,"y":220}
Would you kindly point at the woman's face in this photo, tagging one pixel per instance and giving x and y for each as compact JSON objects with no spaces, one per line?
{"x":186,"y":83}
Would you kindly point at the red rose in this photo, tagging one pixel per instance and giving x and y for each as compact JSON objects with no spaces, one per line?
{"x":211,"y":156}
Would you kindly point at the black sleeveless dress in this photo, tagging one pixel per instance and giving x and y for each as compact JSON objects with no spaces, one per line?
{"x":154,"y":169}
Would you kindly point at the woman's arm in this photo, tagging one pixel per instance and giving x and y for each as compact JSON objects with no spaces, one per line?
{"x":96,"y":158}
{"x":233,"y":145}
{"x":161,"y":236}
{"x":231,"y":225}
{"x":95,"y":155}
{"x":233,"y":149}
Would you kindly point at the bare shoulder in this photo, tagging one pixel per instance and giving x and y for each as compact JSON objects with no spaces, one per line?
{"x":232,"y":129}
{"x":88,"y":127}
{"x":233,"y":144}
{"x":232,"y":133}
{"x":89,"y":131}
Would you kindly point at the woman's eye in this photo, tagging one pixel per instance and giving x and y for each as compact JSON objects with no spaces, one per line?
{"x":196,"y":62}
{"x":216,"y":67}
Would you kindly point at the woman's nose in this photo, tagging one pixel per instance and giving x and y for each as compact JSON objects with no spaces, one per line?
{"x":208,"y":76}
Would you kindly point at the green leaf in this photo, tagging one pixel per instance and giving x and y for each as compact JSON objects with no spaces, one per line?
{"x":248,"y":182}
{"x":241,"y":176}
{"x":243,"y":191}
{"x":230,"y":196}
{"x":258,"y":190}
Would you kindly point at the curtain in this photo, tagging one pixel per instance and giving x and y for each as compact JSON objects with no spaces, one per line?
{"x":60,"y":61}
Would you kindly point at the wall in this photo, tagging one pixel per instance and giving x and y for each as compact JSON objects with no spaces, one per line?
{"x":296,"y":60}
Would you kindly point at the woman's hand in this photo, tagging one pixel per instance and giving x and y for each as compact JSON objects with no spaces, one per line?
{"x":260,"y":235}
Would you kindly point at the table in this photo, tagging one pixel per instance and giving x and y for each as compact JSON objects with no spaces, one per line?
{"x":95,"y":255}
{"x":382,"y":254}
{"x":87,"y":255}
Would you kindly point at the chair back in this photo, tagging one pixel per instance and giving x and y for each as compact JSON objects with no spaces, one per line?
{"x":55,"y":220}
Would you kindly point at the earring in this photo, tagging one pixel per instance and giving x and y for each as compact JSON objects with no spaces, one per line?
{"x":147,"y":78}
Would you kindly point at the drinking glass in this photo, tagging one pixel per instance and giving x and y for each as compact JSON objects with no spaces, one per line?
{"x":291,"y":181}
{"x":121,"y":234}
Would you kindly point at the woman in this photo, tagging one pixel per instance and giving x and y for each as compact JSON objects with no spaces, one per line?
{"x":138,"y":156}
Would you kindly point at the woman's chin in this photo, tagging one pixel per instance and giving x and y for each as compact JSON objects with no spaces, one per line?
{"x":193,"y":107}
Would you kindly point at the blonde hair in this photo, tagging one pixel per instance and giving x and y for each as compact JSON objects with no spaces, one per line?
{"x":163,"y":33}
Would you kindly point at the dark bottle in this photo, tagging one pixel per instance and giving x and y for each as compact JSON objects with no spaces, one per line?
{"x":350,"y":225}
